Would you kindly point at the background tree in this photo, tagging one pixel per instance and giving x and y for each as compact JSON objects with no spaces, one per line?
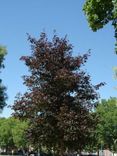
{"x":6,"y":137}
{"x":60,"y":96}
{"x":101,"y":12}
{"x":12,"y":134}
{"x":19,"y":134}
{"x":2,"y":88}
{"x":107,"y":127}
{"x":92,"y":145}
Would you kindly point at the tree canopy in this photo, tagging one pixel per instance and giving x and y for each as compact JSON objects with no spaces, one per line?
{"x":3,"y":95}
{"x":101,"y":12}
{"x":60,"y":96}
{"x":12,"y":133}
{"x":107,"y":127}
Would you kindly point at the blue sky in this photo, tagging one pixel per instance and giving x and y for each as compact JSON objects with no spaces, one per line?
{"x":66,"y":17}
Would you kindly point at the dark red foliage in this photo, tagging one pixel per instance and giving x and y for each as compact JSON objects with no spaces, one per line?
{"x":60,"y":96}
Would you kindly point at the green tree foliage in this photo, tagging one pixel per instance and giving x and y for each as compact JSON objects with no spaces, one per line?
{"x":107,"y":127}
{"x":19,"y":134}
{"x":2,"y":87}
{"x":6,"y":137}
{"x":12,"y":133}
{"x":60,"y":96}
{"x":101,"y":12}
